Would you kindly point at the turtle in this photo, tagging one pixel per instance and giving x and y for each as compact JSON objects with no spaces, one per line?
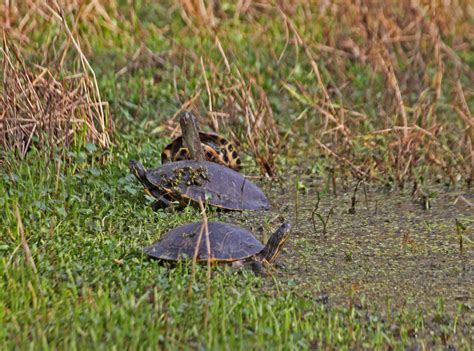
{"x":228,"y":244}
{"x":191,"y":181}
{"x":216,"y":149}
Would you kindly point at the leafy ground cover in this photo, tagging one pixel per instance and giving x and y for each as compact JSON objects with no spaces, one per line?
{"x":312,"y":94}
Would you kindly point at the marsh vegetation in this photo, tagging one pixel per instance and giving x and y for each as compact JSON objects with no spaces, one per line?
{"x":353,"y":116}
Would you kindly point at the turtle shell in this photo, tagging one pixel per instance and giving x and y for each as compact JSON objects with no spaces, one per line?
{"x":216,"y":149}
{"x":212,"y":183}
{"x":227,"y":242}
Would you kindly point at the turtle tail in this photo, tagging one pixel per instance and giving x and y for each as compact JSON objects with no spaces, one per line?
{"x":274,"y":244}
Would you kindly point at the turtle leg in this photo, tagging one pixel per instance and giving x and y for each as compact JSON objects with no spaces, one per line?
{"x":237,"y":264}
{"x":161,"y":203}
{"x":257,"y":268}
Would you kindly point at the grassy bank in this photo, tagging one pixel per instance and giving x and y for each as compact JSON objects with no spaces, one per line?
{"x":319,"y":97}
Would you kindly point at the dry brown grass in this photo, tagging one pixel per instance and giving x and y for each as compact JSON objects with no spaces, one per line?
{"x":406,"y":41}
{"x":22,"y":18}
{"x":412,"y":44}
{"x":44,"y":102}
{"x":244,"y":111}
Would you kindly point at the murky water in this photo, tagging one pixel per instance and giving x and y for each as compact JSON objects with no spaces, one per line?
{"x":392,"y":247}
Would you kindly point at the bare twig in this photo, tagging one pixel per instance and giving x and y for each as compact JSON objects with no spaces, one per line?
{"x":322,"y":219}
{"x":460,"y":228}
{"x":352,"y":209}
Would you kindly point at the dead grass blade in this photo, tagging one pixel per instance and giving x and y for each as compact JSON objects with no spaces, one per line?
{"x":465,"y":114}
{"x":209,"y":259}
{"x":200,"y":10}
{"x":406,"y":43}
{"x":204,"y":230}
{"x":24,"y":242}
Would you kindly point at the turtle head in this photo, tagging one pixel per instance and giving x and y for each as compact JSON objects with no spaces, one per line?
{"x":189,"y":117}
{"x":275,"y":243}
{"x":137,"y":169}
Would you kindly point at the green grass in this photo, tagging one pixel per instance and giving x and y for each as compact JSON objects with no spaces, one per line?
{"x":94,"y":288}
{"x":86,"y":218}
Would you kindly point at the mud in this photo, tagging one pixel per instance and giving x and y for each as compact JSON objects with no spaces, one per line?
{"x":392,"y":247}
